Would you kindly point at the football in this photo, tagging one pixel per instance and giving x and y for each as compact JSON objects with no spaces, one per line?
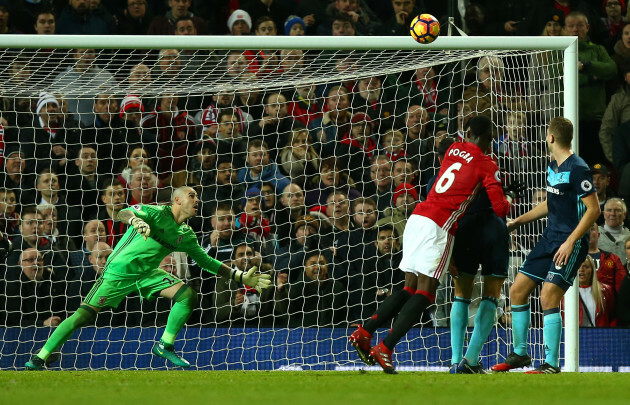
{"x":424,"y":28}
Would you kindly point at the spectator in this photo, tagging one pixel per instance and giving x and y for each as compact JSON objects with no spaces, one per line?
{"x":292,"y":208}
{"x":516,"y":154}
{"x":9,"y":219}
{"x":617,"y":113}
{"x":331,"y":177}
{"x":82,"y":183}
{"x":230,"y":140}
{"x":357,"y":148}
{"x":380,"y":188}
{"x":178,"y":8}
{"x":615,"y":233}
{"x":614,"y":21}
{"x":425,"y":89}
{"x":48,"y":192}
{"x":235,"y":302}
{"x":252,"y":223}
{"x":338,"y":212}
{"x":175,"y":133}
{"x":36,"y":297}
{"x":113,"y":196}
{"x":316,"y":299}
{"x":294,"y":26}
{"x":269,"y":203}
{"x":277,"y":10}
{"x":30,"y":237}
{"x":143,"y":186}
{"x":46,"y":140}
{"x":336,"y":121}
{"x":622,"y":303}
{"x":601,"y":182}
{"x":404,"y":171}
{"x":608,"y":265}
{"x":93,"y":232}
{"x":544,"y":8}
{"x":299,"y":160}
{"x":393,"y":143}
{"x":225,"y":189}
{"x":137,"y":156}
{"x":276,"y":125}
{"x":240,"y":22}
{"x":258,"y":170}
{"x":135,"y":18}
{"x":371,"y":287}
{"x":594,"y":67}
{"x":200,"y":167}
{"x":45,"y":22}
{"x":505,"y":18}
{"x":621,"y":55}
{"x":223,"y":101}
{"x":136,"y":83}
{"x":83,"y":70}
{"x":168,"y":71}
{"x":108,"y":134}
{"x":14,"y":176}
{"x":169,"y":265}
{"x":77,"y":19}
{"x":372,"y":100}
{"x":61,"y":244}
{"x":305,"y":236}
{"x":404,"y":201}
{"x":6,"y":26}
{"x":305,"y":107}
{"x":404,"y":12}
{"x":313,"y":13}
{"x":597,"y":300}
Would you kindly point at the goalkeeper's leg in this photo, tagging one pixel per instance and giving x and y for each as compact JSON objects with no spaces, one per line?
{"x":83,"y":316}
{"x":186,"y":300}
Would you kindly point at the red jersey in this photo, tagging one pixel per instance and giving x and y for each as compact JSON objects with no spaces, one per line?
{"x":465,"y":170}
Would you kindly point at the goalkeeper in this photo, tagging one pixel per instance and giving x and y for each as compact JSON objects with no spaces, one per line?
{"x":155,"y":232}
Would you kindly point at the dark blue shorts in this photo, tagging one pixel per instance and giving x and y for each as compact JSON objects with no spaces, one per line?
{"x":539,"y":265}
{"x":482,"y":239}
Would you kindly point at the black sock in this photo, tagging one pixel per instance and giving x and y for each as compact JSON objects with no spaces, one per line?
{"x":409,"y":315}
{"x":387,"y":310}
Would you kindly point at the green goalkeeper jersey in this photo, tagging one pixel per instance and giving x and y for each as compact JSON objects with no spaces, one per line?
{"x":134,"y":257}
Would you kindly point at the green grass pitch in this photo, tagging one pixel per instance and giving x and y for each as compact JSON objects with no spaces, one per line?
{"x":309,"y":387}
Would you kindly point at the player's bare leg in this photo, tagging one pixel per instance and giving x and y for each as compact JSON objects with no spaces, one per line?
{"x":185,"y":300}
{"x":519,"y":299}
{"x":409,"y":315}
{"x":484,"y":321}
{"x":361,"y":339}
{"x":550,"y":298}
{"x":85,"y":315}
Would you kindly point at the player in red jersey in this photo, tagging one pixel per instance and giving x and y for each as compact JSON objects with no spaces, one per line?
{"x":428,"y":239}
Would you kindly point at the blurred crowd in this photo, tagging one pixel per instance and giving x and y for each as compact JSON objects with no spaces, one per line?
{"x":312,"y":183}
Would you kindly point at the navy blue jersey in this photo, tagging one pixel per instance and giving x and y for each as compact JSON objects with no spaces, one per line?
{"x":566,"y":186}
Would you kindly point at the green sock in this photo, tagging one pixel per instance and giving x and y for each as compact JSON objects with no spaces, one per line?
{"x":520,"y":328}
{"x":484,"y":321}
{"x":82,"y":317}
{"x":459,"y":321}
{"x":552,"y":333}
{"x":185,"y":301}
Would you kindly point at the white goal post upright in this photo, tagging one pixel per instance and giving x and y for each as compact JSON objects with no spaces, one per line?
{"x":567,"y":45}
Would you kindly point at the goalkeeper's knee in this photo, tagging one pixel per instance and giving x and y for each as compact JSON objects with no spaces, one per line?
{"x":84,"y":316}
{"x":186,"y":296}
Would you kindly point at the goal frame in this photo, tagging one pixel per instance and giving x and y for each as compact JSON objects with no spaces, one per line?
{"x":567,"y":44}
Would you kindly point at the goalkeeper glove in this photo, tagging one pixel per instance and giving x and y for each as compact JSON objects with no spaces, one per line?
{"x":514,"y":190}
{"x":140,"y":226}
{"x":6,"y":247}
{"x":257,"y":281}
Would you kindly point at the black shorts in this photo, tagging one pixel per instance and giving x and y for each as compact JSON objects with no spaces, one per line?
{"x":482,"y":239}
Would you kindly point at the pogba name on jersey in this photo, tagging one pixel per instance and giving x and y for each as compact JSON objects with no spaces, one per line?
{"x":460,"y":153}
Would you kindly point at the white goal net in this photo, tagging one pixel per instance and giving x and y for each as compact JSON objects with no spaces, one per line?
{"x":307,"y":163}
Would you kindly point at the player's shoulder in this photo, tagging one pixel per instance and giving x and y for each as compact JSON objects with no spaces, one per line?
{"x":577,"y":163}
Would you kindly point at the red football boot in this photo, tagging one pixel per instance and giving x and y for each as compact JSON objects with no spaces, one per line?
{"x":512,"y":361}
{"x":383,"y":356}
{"x":361,"y":340}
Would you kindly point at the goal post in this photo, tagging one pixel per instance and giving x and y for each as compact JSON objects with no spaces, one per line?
{"x":331,"y":61}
